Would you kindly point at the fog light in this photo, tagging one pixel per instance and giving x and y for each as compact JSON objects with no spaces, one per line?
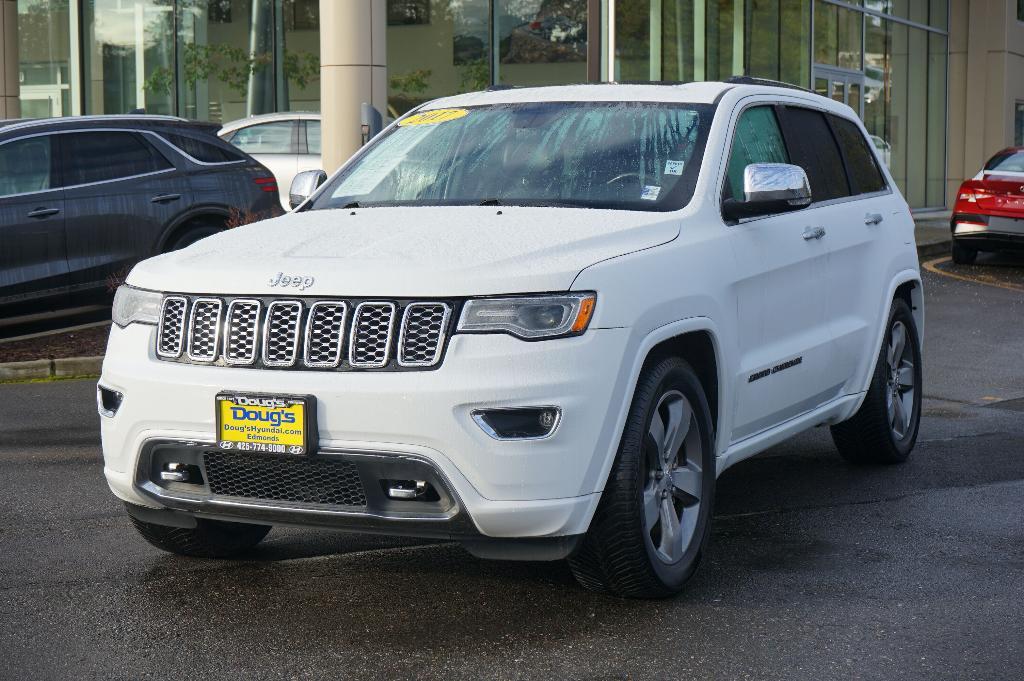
{"x":406,"y":489}
{"x":108,"y":401}
{"x":518,"y":423}
{"x":175,"y":472}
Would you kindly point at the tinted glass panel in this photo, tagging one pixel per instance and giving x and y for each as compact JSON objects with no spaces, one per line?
{"x":267,"y":138}
{"x":99,"y":156}
{"x":25,"y":166}
{"x":864,"y":173}
{"x":313,"y":137}
{"x":814,"y":149}
{"x":207,"y":151}
{"x":757,"y":140}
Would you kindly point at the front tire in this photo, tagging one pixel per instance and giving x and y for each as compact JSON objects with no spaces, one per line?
{"x":208,"y":539}
{"x":653,"y":522}
{"x":884,"y":429}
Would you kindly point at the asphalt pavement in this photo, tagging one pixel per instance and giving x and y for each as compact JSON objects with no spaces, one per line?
{"x":817,"y":569}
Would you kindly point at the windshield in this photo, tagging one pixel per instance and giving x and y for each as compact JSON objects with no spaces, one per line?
{"x":626,"y":155}
{"x":1007,"y":162}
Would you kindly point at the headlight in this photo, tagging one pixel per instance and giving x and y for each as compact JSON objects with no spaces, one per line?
{"x":533,"y":317}
{"x":135,"y":306}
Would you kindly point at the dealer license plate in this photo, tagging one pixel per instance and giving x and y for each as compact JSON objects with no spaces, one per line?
{"x":276,"y":424}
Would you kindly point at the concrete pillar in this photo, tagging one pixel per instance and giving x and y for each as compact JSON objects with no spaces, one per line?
{"x":352,"y":71}
{"x":10,"y":106}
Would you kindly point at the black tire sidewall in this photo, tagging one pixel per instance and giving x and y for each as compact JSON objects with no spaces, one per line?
{"x":676,"y":374}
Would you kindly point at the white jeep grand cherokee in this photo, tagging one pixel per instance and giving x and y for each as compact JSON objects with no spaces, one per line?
{"x":538,"y":322}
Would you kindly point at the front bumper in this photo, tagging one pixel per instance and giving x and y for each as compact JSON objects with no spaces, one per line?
{"x":538,"y":488}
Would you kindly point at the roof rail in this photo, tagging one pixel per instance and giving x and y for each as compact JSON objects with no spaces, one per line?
{"x":751,"y":80}
{"x":98,"y":117}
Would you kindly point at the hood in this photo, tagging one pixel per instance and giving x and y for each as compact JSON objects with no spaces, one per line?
{"x":407,"y":252}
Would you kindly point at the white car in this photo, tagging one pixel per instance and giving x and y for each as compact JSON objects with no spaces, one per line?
{"x":538,"y":322}
{"x":286,"y":143}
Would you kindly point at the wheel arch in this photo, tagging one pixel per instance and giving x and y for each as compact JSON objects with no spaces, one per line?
{"x":196,"y":216}
{"x":906,"y":286}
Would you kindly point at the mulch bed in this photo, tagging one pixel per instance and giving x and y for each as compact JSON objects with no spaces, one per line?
{"x":82,"y":343}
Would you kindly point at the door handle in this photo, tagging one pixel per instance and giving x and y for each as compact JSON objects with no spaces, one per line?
{"x":164,"y":198}
{"x":813,"y":233}
{"x":872,"y":218}
{"x":43,"y":212}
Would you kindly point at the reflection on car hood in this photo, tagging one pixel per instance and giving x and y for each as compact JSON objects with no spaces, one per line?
{"x":408,"y":252}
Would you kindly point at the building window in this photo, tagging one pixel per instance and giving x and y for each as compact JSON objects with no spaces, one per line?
{"x":1020,"y":10}
{"x":1018,"y":124}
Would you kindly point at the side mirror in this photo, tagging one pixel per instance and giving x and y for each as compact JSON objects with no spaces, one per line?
{"x":770,"y":188}
{"x":303,"y":186}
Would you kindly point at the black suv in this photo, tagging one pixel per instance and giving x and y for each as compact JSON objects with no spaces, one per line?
{"x":83,"y":199}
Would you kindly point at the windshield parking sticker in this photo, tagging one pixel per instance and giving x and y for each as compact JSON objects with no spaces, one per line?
{"x":650,"y":192}
{"x":674,"y":167}
{"x":433,"y":117}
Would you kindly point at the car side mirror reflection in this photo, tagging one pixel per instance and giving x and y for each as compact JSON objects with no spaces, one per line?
{"x":769,"y":188}
{"x":303,"y":186}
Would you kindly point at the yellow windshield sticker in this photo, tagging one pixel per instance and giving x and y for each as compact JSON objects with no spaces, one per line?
{"x":433,"y":117}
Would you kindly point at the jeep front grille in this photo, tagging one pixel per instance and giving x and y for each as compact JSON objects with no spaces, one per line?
{"x":339,"y":335}
{"x":423,"y":326}
{"x":204,"y":330}
{"x":172,"y":327}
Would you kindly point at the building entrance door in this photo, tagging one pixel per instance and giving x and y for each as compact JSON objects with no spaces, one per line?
{"x":841,"y":85}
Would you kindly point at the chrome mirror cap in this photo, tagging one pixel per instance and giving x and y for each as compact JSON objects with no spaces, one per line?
{"x":776,"y":182}
{"x":303,"y":186}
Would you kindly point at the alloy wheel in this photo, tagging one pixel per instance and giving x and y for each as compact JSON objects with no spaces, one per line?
{"x":675,"y":477}
{"x":901,"y":382}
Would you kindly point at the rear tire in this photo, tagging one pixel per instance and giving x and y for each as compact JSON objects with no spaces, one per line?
{"x":208,"y":539}
{"x":653,"y":522}
{"x":884,"y":429}
{"x":963,"y":255}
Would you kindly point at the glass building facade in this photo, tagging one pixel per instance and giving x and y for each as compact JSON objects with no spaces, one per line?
{"x":219,"y":60}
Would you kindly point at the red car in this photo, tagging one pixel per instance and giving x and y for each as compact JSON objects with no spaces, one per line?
{"x":989,"y":210}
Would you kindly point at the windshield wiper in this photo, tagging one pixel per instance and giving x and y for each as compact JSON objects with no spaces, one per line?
{"x":351,"y":204}
{"x":489,"y":202}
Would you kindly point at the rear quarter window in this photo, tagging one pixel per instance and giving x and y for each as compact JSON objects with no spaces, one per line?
{"x":207,"y":151}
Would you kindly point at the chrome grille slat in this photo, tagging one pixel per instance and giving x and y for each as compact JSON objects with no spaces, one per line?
{"x":325,"y":334}
{"x":281,"y":333}
{"x":241,"y":327}
{"x":304,"y":333}
{"x":423,"y":332}
{"x":204,"y":329}
{"x":369,"y":343}
{"x":171,"y":332}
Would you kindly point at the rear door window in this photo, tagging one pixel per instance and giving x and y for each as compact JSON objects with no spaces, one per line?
{"x":313,"y":137}
{"x":278,"y":137}
{"x":26,"y":165}
{"x":813,"y":147}
{"x":108,"y":155}
{"x":864,"y":173}
{"x":757,"y":140}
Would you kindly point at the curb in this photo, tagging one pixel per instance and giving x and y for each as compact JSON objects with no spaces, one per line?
{"x":67,"y":367}
{"x":934,"y":249}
